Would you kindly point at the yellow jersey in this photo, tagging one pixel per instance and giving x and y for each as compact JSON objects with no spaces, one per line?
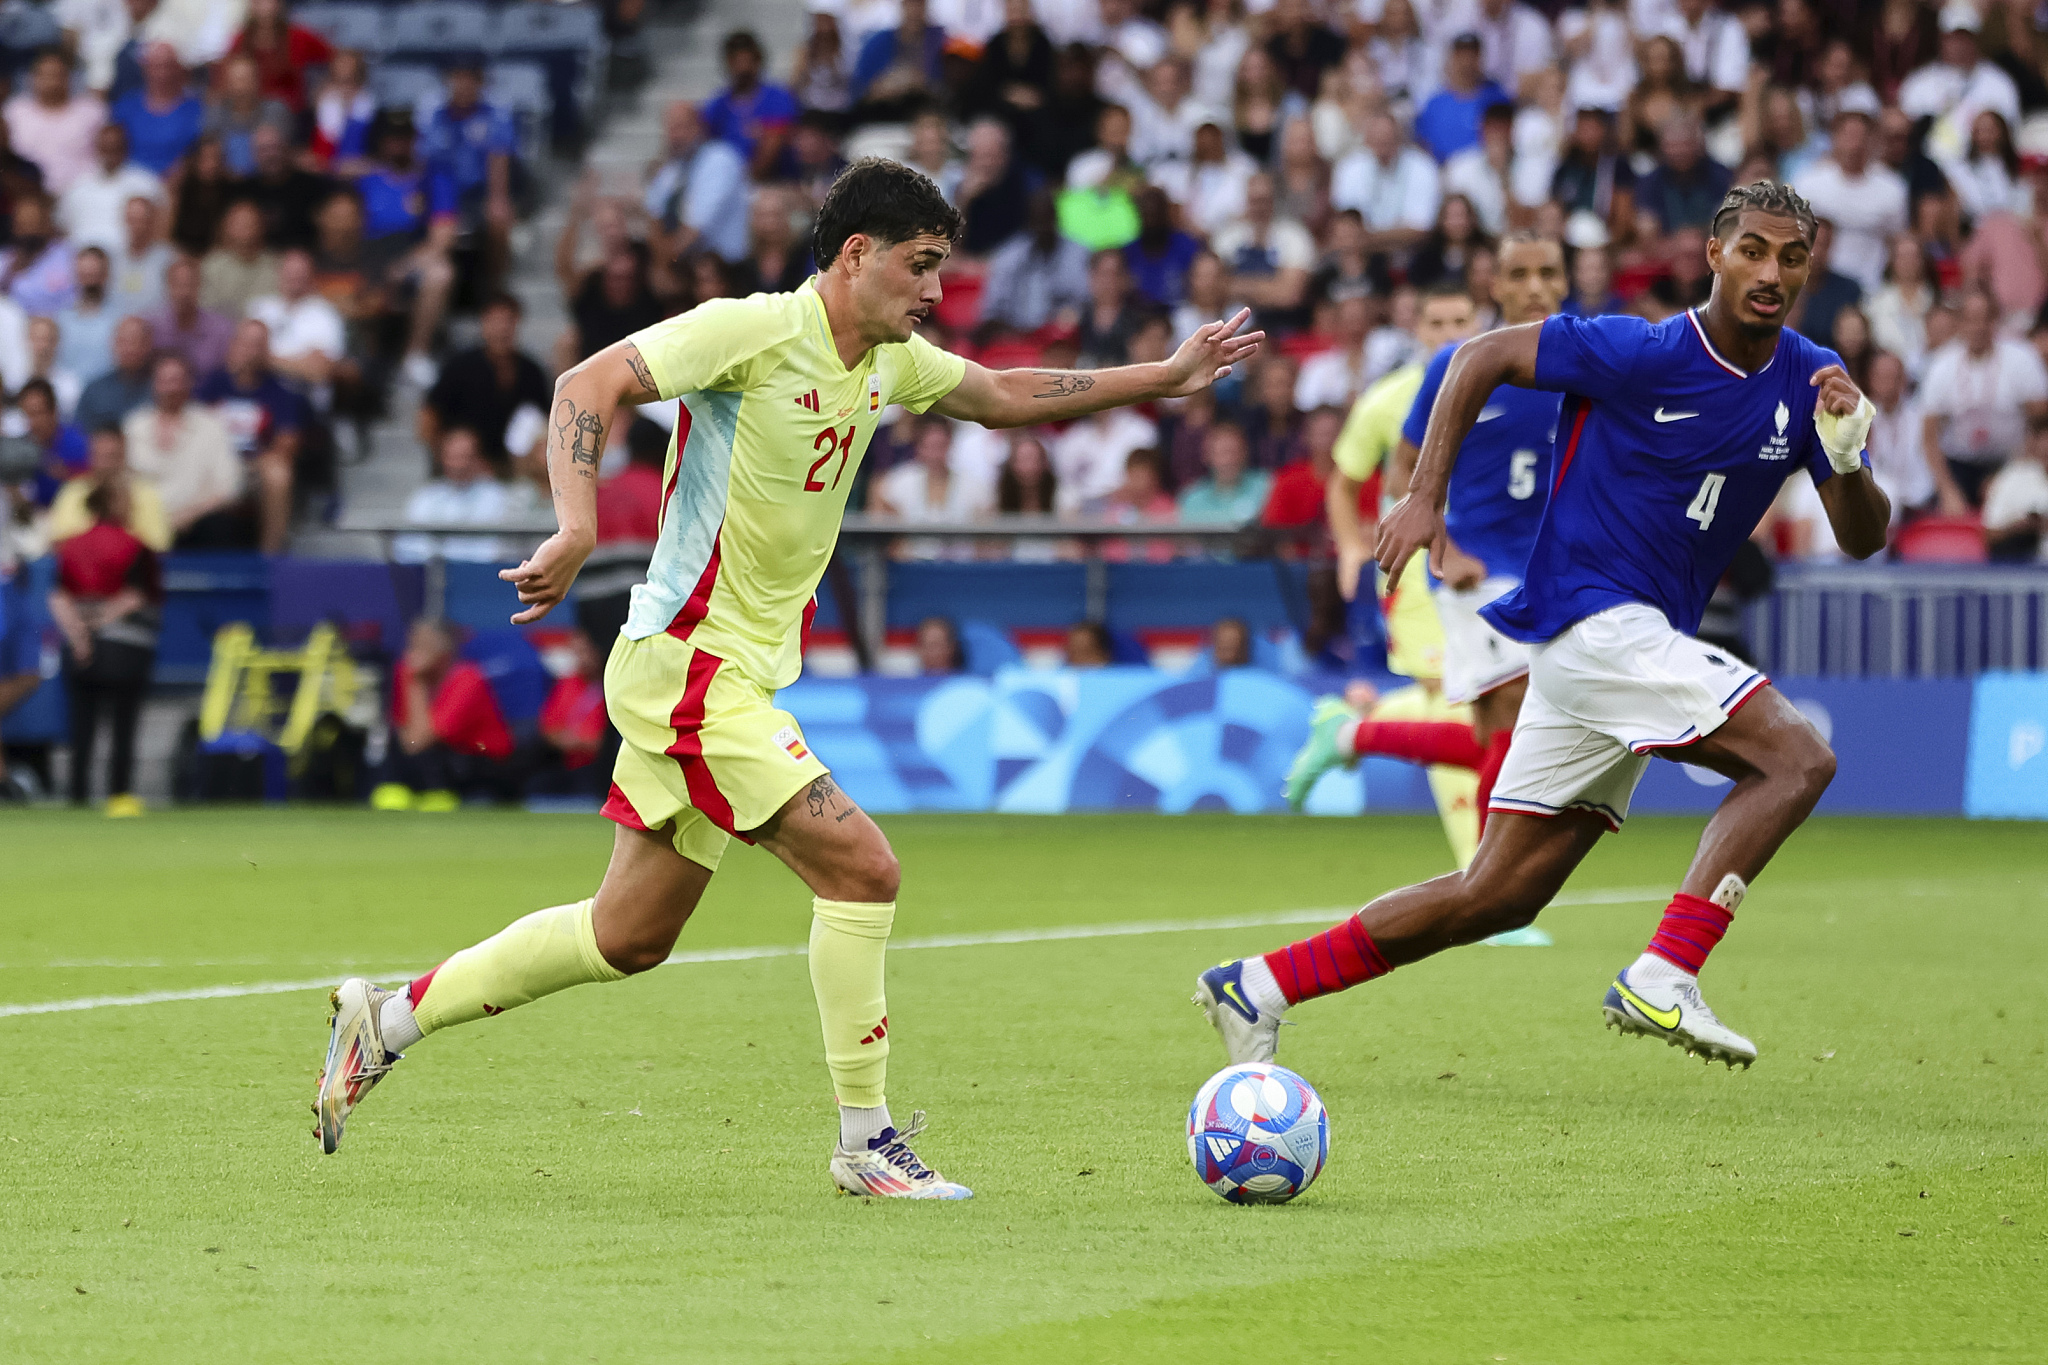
{"x":771,"y":431}
{"x":1375,"y":422}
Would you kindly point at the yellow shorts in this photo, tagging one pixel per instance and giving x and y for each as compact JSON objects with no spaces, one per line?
{"x":1415,"y":634}
{"x":701,"y":746}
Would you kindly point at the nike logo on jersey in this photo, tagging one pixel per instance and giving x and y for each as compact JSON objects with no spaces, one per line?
{"x":1488,"y":414}
{"x":1664,"y":416}
{"x":1664,"y":1019}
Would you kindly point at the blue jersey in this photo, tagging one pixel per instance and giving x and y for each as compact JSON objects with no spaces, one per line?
{"x":1502,"y":477}
{"x":1667,"y":458}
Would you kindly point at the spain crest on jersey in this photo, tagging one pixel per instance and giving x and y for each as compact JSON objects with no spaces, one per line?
{"x":874,"y":393}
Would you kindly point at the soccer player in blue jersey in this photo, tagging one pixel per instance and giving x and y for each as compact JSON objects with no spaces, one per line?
{"x":1495,"y":500}
{"x":1674,"y":439}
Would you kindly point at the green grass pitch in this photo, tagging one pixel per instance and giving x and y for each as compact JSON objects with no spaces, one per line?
{"x":636,"y":1172}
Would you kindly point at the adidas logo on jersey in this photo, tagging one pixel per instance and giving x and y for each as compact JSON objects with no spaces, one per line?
{"x":808,"y":400}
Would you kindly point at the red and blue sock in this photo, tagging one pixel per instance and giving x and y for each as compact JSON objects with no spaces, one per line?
{"x":1691,"y":927}
{"x":1331,"y":961}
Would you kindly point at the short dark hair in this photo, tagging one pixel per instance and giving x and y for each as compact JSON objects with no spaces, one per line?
{"x":503,"y":299}
{"x":1447,"y":289}
{"x":38,"y":385}
{"x":739,"y":40}
{"x":885,"y":199}
{"x":1765,"y":196}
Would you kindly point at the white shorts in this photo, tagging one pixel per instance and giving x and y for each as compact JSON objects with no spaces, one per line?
{"x":1477,"y":658}
{"x":1605,"y":695}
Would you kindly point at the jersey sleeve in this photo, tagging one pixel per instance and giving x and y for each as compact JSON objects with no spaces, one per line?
{"x":1592,"y":357}
{"x":1417,"y":421}
{"x":711,"y":346}
{"x":923,"y":374}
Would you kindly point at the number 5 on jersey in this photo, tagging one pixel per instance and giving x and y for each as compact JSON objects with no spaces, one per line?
{"x":1706,"y":500}
{"x":832,"y":442}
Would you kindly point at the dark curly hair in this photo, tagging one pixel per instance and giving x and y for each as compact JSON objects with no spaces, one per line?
{"x":885,"y":199}
{"x":1765,"y":196}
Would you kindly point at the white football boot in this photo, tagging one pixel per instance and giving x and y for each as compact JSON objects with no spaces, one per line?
{"x":1249,"y":1033}
{"x":356,"y":1057}
{"x":1671,"y":1009}
{"x":886,"y":1168}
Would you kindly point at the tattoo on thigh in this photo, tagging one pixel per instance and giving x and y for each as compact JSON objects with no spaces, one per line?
{"x":824,"y":796}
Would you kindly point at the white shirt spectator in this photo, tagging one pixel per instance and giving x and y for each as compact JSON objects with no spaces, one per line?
{"x":1407,"y":69}
{"x":1602,"y":77}
{"x":1215,"y":66}
{"x":1898,"y":460}
{"x":1899,"y":326}
{"x":1868,"y":210}
{"x":190,"y":457}
{"x":16,"y":362}
{"x":58,"y":140}
{"x":2015,"y":492}
{"x":1982,"y":185}
{"x":1388,"y":348}
{"x":1716,"y":49}
{"x":1982,"y":398}
{"x":297,"y":329}
{"x":1068,"y":21}
{"x":1088,"y":457}
{"x":90,"y":211}
{"x":1537,"y":135}
{"x":100,"y":28}
{"x":1469,"y":173}
{"x":1799,"y":502}
{"x":135,"y":280}
{"x":1158,"y":133}
{"x":1332,"y":379}
{"x":1512,"y":43}
{"x":1405,"y":194}
{"x":708,"y":193}
{"x":1955,"y":97}
{"x":1211,"y":193}
{"x":979,"y":20}
{"x":479,"y":502}
{"x":908,"y":488}
{"x":1288,"y":245}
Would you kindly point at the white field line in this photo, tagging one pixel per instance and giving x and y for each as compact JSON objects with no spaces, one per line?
{"x":1056,"y":934}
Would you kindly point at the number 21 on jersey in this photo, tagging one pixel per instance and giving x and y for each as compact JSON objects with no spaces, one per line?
{"x":831,"y":442}
{"x":1706,"y":500}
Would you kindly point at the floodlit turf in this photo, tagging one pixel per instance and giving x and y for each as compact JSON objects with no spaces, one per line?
{"x":636,"y":1172}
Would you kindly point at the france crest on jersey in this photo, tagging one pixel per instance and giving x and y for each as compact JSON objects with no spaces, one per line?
{"x":1667,"y":457}
{"x":1499,"y":483}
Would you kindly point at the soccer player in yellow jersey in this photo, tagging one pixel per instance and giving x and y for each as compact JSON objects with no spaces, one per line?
{"x":780,"y":395}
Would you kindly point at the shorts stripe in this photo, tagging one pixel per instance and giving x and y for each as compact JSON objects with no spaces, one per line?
{"x":1733,"y":702}
{"x":1755,"y":683}
{"x":618,"y":808}
{"x":1515,"y":805}
{"x":699,"y":602}
{"x":688,"y":750}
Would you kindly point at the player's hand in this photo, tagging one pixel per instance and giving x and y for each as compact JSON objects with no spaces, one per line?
{"x":1838,"y":393}
{"x":1351,"y":561}
{"x":544,"y":580}
{"x":1209,"y":354}
{"x":1412,"y":525}
{"x":1458,"y":569}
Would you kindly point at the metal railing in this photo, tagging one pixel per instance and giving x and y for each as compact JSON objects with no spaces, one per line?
{"x":1902,"y":620}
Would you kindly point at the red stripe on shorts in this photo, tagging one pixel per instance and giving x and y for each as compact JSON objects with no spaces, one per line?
{"x":619,"y":810}
{"x":688,"y":750}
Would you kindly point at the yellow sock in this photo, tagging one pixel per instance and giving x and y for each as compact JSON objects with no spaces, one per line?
{"x":548,"y":951}
{"x":848,"y":942}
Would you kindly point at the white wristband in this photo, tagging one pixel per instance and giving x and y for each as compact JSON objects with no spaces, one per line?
{"x":1843,"y":437}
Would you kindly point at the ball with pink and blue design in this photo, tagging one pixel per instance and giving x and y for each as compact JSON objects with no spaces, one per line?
{"x":1258,"y":1134}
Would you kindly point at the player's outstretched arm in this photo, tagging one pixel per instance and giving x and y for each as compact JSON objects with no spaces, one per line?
{"x":1858,"y":510}
{"x":1480,"y":366}
{"x":1022,"y":398}
{"x":586,"y":398}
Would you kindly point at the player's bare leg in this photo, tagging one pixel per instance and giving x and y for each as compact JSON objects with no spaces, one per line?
{"x":1780,"y":766}
{"x":845,"y":859}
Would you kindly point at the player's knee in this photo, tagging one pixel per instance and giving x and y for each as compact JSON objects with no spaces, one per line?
{"x":641,"y":951}
{"x":878,"y":874}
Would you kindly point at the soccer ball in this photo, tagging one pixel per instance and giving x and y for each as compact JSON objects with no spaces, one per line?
{"x":1258,"y":1134}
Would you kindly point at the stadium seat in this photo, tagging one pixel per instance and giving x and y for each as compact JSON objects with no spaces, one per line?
{"x":1941,"y":540}
{"x":987,"y":648}
{"x":439,"y":28}
{"x":407,"y":85}
{"x":547,"y":29}
{"x":519,"y":87}
{"x":361,"y":27}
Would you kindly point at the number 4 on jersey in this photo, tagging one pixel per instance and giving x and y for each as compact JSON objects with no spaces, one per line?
{"x":832,"y":443}
{"x":1706,"y":500}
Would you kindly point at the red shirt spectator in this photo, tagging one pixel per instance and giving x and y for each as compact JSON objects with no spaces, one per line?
{"x":572,"y":719}
{"x":629,"y":504}
{"x":283,"y":51}
{"x":464,"y":710}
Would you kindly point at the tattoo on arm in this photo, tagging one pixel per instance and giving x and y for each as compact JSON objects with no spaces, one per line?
{"x":641,"y":373}
{"x":1062,"y":385}
{"x":825,"y":797}
{"x":581,"y":434}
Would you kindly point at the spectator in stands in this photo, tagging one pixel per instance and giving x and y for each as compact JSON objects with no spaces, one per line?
{"x":1141,"y":497}
{"x":107,"y":467}
{"x":475,"y":145}
{"x":898,"y":67}
{"x":926,"y":489}
{"x":991,"y":189}
{"x":45,"y":351}
{"x":1230,"y":643}
{"x":1159,"y":256}
{"x":127,"y":69}
{"x":776,"y":261}
{"x":109,"y":398}
{"x":238,"y":109}
{"x":94,"y":32}
{"x":1231,"y":493}
{"x":815,"y":157}
{"x":289,"y":195}
{"x":1207,"y":186}
{"x":1297,"y":501}
{"x":2016,"y":502}
{"x":185,"y":449}
{"x":755,"y":116}
{"x":415,"y":204}
{"x":308,"y":341}
{"x":1269,"y":258}
{"x":1962,"y":83}
{"x":1686,"y":187}
{"x":628,"y":520}
{"x":464,"y":492}
{"x":609,"y":303}
{"x":107,"y":603}
{"x":136,"y":267}
{"x":1268,"y":414}
{"x":268,"y":422}
{"x":240,"y":268}
{"x":939,"y":650}
{"x":50,"y":125}
{"x":283,"y":52}
{"x":820,"y":78}
{"x":1016,"y":66}
{"x":1980,"y":393}
{"x":1864,"y":198}
{"x":1448,"y":122}
{"x":61,"y":445}
{"x":354,"y":276}
{"x":1208,"y":299}
{"x":204,"y":192}
{"x":1113,"y":312}
{"x":35,"y":269}
{"x":1089,"y":645}
{"x":1595,"y":177}
{"x":1038,"y":277}
{"x":92,"y":210}
{"x":1898,"y":459}
{"x":1483,"y":172}
{"x":699,"y":192}
{"x":572,"y":729}
{"x":18,"y":177}
{"x":1026,"y":485}
{"x":1592,"y":284}
{"x":1826,"y":294}
{"x":448,"y":734}
{"x":1088,"y":457}
{"x":342,"y":114}
{"x":484,"y":389}
{"x":1337,"y":376}
{"x":163,"y":118}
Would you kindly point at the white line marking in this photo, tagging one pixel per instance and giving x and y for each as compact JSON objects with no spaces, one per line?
{"x":1055,"y":934}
